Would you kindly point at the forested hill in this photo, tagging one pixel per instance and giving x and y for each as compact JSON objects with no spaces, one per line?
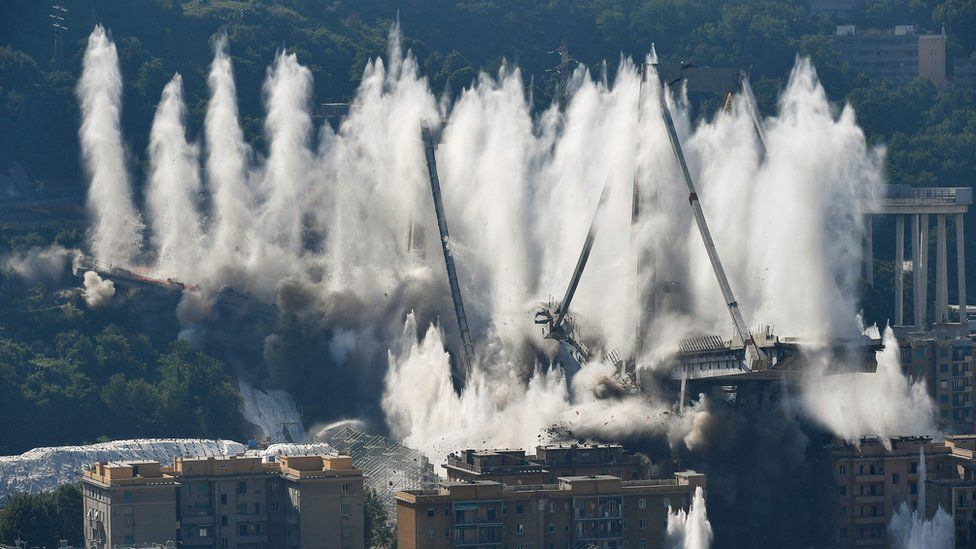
{"x":931,"y":135}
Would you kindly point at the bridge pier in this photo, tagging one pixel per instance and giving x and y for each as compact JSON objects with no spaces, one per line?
{"x":899,"y":270}
{"x":961,"y":267}
{"x":941,"y":275}
{"x":902,"y":201}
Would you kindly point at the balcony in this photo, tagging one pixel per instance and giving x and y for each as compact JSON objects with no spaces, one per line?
{"x":879,"y":477}
{"x":197,"y":519}
{"x":879,"y":519}
{"x":868,"y":498}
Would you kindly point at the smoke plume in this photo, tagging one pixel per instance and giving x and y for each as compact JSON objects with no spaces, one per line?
{"x":174,"y":184}
{"x":227,"y":171}
{"x":883,"y":404}
{"x":336,"y":228}
{"x":97,"y":292}
{"x":116,"y":232}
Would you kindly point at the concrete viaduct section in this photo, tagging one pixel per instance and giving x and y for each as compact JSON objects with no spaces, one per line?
{"x":918,"y":205}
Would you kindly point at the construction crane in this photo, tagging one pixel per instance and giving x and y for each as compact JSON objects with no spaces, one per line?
{"x":553,"y":317}
{"x":755,"y":357}
{"x":752,"y":108}
{"x":430,"y":139}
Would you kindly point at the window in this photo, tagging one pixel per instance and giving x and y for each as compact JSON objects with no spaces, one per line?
{"x":430,"y":512}
{"x":126,"y":497}
{"x":129,"y":539}
{"x":241,"y":508}
{"x":242,"y":529}
{"x":552,"y":528}
{"x":447,"y":532}
{"x":430,"y":533}
{"x":223,"y":499}
{"x":257,"y":508}
{"x":491,"y":514}
{"x":345,"y":487}
{"x":519,"y":509}
{"x":843,"y":511}
{"x":643,"y":524}
{"x":520,"y":529}
{"x":895,"y":478}
{"x":345,"y":510}
{"x":842,"y":469}
{"x":223,"y":520}
{"x":642,"y":504}
{"x":127,"y":520}
{"x":643,"y":544}
{"x":552,"y":508}
{"x":203,"y":532}
{"x":242,"y":487}
{"x":843,"y":490}
{"x":347,"y":532}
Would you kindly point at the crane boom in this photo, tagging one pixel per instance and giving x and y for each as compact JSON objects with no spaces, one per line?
{"x":435,"y":190}
{"x":581,"y":262}
{"x":741,"y":328}
{"x":753,"y":109}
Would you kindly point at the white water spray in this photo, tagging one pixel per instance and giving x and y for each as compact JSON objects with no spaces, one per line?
{"x":116,"y":233}
{"x":348,"y":231}
{"x":227,"y":170}
{"x":912,"y":529}
{"x":174,"y":187}
{"x":690,"y":530}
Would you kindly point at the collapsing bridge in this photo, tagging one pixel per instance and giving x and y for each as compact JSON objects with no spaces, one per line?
{"x":706,"y":361}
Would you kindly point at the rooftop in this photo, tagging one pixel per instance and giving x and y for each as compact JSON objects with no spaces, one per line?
{"x":118,"y":473}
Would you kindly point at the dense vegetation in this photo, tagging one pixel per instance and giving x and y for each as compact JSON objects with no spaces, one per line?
{"x":73,"y":374}
{"x":931,"y":134}
{"x":43,"y":520}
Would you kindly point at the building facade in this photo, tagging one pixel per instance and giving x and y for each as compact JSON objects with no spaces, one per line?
{"x":548,"y":464}
{"x":873,"y":481}
{"x":943,"y":357}
{"x":577,"y":511}
{"x":238,"y":501}
{"x":899,"y":55}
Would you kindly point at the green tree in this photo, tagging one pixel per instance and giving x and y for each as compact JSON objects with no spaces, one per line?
{"x":43,"y":520}
{"x":379,"y":530}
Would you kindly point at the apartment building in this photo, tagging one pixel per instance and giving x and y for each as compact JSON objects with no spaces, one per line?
{"x":509,"y":466}
{"x":943,"y":357}
{"x":900,"y":54}
{"x":872,"y":481}
{"x":238,"y":501}
{"x":576,"y":511}
{"x":956,"y":493}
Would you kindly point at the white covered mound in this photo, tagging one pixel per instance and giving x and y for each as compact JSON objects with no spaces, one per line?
{"x":43,"y":469}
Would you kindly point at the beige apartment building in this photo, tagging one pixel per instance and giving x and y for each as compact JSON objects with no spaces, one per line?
{"x":900,"y":54}
{"x":239,"y":501}
{"x":872,"y":482}
{"x":943,"y":357}
{"x":548,"y":464}
{"x":577,"y":511}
